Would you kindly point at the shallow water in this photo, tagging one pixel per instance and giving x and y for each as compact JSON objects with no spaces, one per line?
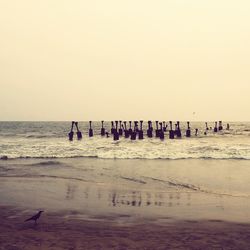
{"x":176,"y":189}
{"x":220,"y":177}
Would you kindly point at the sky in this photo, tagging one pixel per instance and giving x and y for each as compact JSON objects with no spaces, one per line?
{"x":125,"y":60}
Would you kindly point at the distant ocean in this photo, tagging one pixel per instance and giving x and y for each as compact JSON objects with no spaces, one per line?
{"x":50,"y":140}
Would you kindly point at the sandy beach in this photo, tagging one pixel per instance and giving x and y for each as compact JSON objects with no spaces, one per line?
{"x":106,"y":204}
{"x":66,"y":231}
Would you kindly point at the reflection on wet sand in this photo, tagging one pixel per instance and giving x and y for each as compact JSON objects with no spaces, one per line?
{"x":131,"y":198}
{"x":70,"y":192}
{"x":91,"y":199}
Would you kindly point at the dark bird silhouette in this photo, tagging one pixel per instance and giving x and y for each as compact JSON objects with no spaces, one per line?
{"x":35,"y":217}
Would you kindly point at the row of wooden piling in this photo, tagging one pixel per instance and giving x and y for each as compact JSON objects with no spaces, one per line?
{"x":120,"y":128}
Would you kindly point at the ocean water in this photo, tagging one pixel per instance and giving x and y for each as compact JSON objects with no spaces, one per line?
{"x":208,"y":174}
{"x":50,"y":140}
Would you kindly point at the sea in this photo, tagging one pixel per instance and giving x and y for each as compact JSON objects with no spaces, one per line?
{"x":50,"y":140}
{"x":204,"y":176}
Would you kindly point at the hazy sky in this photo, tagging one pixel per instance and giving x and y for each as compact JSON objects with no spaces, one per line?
{"x":133,"y":59}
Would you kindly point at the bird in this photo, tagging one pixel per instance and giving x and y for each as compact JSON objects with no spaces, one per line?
{"x":35,"y":217}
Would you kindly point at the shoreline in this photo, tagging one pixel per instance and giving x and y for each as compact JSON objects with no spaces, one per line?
{"x":118,"y":204}
{"x":183,"y":189}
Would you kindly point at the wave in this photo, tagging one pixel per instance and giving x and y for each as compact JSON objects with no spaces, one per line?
{"x":133,"y":180}
{"x":4,"y":157}
{"x":40,"y":136}
{"x":46,"y":163}
{"x":45,"y":176}
{"x":170,"y":183}
{"x":175,"y":184}
{"x":35,"y":136}
{"x":176,"y":157}
{"x":192,"y":187}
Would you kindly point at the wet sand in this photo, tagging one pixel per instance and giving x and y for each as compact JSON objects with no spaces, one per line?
{"x":66,"y":231}
{"x":85,"y":208}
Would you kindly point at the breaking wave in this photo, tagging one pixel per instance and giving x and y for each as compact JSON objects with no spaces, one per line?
{"x":122,"y":157}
